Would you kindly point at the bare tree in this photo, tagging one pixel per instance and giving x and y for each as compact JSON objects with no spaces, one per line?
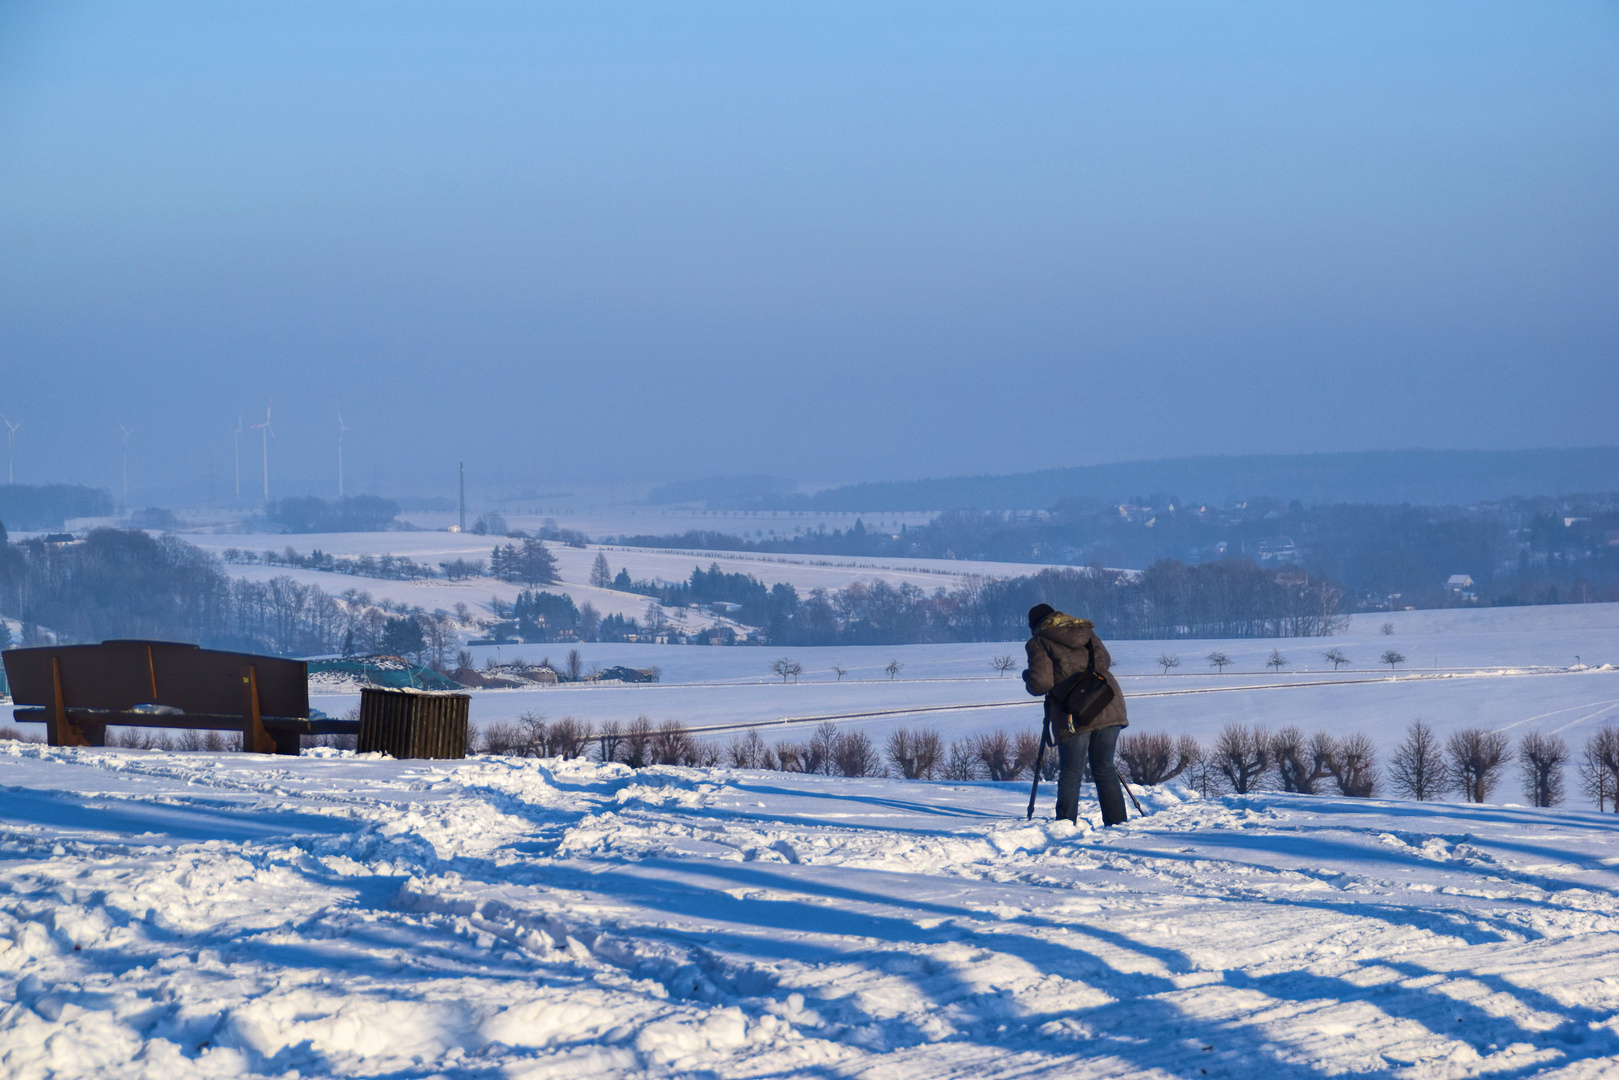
{"x":790,"y":757}
{"x":672,"y":744}
{"x":575,"y":665}
{"x":1166,"y":661}
{"x":653,"y":621}
{"x":568,"y":738}
{"x":1025,"y":751}
{"x":1393,"y":658}
{"x":1219,"y":661}
{"x":1417,"y":770}
{"x":994,"y":750}
{"x":787,"y":667}
{"x":1157,"y":758}
{"x":531,"y":733}
{"x":854,"y":755}
{"x":821,"y":753}
{"x":610,"y":739}
{"x":1476,"y":757}
{"x":1003,"y":664}
{"x":638,"y":743}
{"x":1242,"y":755}
{"x":839,"y":671}
{"x":1599,"y":768}
{"x":1354,"y":766}
{"x":500,"y":738}
{"x":1540,"y":762}
{"x":601,"y":575}
{"x":748,"y":751}
{"x":589,"y":621}
{"x":1277,"y":661}
{"x":1387,"y":629}
{"x":916,"y":755}
{"x":1302,"y":764}
{"x":962,"y":761}
{"x":1336,"y":658}
{"x":893,"y":668}
{"x":1202,"y":776}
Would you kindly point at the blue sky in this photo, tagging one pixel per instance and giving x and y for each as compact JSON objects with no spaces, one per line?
{"x":577,"y":243}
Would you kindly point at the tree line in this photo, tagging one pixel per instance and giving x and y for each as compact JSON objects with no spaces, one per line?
{"x":118,"y":583}
{"x":1470,"y":762}
{"x":127,"y":583}
{"x":1228,"y":599}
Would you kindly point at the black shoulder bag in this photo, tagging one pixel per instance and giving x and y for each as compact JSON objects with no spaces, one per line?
{"x":1083,"y":696}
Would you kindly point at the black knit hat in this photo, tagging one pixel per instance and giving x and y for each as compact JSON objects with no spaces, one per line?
{"x":1038,"y":612}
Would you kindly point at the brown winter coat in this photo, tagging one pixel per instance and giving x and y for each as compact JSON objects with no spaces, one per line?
{"x":1058,"y":650}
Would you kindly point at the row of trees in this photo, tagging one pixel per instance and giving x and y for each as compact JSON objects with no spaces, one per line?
{"x":1242,"y":759}
{"x":528,"y":562}
{"x":1168,"y":600}
{"x":1472,"y":762}
{"x":1469,"y":762}
{"x":385,"y":567}
{"x":1276,"y":662}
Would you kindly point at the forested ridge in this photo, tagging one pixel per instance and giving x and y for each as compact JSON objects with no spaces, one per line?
{"x":118,"y":583}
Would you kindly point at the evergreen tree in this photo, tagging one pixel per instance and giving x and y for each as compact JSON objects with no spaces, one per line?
{"x":530,"y":564}
{"x":403,"y":637}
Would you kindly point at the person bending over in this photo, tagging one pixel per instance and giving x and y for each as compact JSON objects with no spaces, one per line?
{"x":1061,"y":646}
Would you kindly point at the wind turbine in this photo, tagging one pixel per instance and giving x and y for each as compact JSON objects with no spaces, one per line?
{"x":11,"y":449}
{"x":236,"y":440}
{"x":127,"y":432}
{"x":341,"y":427}
{"x":267,"y":432}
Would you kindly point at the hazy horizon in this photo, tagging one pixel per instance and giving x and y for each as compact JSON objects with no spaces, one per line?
{"x":614,"y":244}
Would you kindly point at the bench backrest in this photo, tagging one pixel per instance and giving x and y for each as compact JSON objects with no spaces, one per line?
{"x":122,"y":674}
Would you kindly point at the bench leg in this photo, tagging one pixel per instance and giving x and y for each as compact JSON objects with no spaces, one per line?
{"x":63,"y":730}
{"x":255,"y":740}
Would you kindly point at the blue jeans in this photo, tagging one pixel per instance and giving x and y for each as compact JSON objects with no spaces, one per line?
{"x":1098,"y":745}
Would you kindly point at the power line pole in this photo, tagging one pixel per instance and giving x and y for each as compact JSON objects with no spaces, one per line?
{"x":462,"y":467}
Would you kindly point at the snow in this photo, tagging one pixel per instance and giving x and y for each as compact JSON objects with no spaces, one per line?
{"x":200,"y":915}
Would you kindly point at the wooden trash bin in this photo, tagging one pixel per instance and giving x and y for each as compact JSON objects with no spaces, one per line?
{"x":413,"y":723}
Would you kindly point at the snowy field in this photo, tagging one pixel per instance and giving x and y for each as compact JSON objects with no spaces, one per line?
{"x":1509,"y":668}
{"x":193,"y":915}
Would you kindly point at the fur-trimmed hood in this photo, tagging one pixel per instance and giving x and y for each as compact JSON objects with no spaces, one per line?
{"x":1065,"y":630}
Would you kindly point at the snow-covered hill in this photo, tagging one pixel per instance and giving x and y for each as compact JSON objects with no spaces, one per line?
{"x":180,"y":915}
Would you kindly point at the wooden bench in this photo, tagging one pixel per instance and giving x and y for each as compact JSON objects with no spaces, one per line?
{"x":79,"y":690}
